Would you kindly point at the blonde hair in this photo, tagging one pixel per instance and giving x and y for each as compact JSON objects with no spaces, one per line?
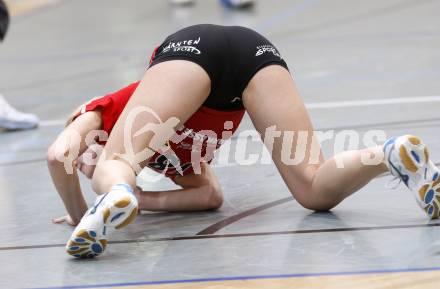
{"x":79,"y":109}
{"x":73,"y":115}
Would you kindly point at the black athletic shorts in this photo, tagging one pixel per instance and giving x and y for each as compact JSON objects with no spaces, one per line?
{"x":231,"y":55}
{"x":4,"y":20}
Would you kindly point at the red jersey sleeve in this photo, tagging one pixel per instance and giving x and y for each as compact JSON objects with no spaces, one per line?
{"x":116,"y":104}
{"x":110,"y":106}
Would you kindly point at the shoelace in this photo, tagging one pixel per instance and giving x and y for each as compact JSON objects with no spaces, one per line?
{"x":96,"y":205}
{"x":393,"y":183}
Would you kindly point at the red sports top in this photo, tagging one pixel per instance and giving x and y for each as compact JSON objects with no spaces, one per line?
{"x":190,"y":140}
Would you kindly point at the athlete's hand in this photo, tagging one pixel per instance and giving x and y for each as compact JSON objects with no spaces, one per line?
{"x":85,"y":163}
{"x":63,"y":219}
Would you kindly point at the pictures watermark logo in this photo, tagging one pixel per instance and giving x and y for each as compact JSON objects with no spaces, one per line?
{"x":149,"y":142}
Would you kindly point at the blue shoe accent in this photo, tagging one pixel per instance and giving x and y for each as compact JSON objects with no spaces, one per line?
{"x":430,"y":210}
{"x":226,"y":3}
{"x":403,"y":177}
{"x":429,"y":196}
{"x":435,"y":177}
{"x":92,"y":233}
{"x":77,"y":255}
{"x":127,"y":187}
{"x":390,"y":141}
{"x":80,"y":240}
{"x":117,"y":216}
{"x":416,"y":156}
{"x":96,"y":206}
{"x":96,"y":248}
{"x":231,"y":4}
{"x":74,"y":248}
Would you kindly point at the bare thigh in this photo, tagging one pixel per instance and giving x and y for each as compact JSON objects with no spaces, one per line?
{"x":169,"y":90}
{"x":271,"y":99}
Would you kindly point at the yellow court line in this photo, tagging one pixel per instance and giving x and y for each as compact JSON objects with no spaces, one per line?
{"x":19,"y":7}
{"x":407,"y":280}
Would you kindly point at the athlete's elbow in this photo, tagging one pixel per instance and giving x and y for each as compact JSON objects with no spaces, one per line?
{"x":58,"y":158}
{"x":52,"y":156}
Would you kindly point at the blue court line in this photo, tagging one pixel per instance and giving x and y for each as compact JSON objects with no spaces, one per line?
{"x":241,"y":278}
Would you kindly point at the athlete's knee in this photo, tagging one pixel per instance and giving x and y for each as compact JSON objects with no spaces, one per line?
{"x":316,"y":205}
{"x":307,"y":196}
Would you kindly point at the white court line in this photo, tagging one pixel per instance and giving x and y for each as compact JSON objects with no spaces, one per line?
{"x":320,"y":105}
{"x":372,"y":102}
{"x":52,"y":122}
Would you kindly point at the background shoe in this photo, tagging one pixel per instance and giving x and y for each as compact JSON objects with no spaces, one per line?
{"x":116,"y":209}
{"x":238,"y":3}
{"x":182,"y":2}
{"x":407,"y":158}
{"x":12,"y":119}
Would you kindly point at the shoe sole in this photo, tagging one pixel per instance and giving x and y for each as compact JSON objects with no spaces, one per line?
{"x":12,"y":125}
{"x":117,"y":206}
{"x":407,"y":161}
{"x":429,"y":192}
{"x":84,"y":244}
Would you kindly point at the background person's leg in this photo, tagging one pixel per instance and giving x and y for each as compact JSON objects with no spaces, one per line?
{"x":4,"y":20}
{"x":271,"y":98}
{"x":10,"y":118}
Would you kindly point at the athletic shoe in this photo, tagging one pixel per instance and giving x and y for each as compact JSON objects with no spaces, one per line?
{"x":407,"y":158}
{"x":116,"y":209}
{"x":11,"y":119}
{"x":182,"y":2}
{"x":238,"y":3}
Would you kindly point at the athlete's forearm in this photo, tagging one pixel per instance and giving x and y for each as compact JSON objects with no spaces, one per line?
{"x":69,"y":189}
